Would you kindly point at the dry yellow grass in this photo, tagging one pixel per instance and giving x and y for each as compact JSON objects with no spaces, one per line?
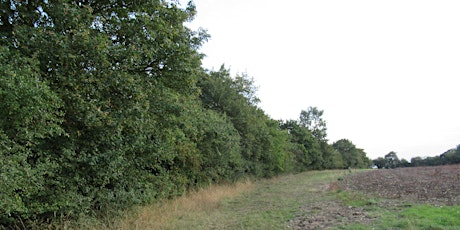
{"x":262,"y":204}
{"x":163,"y":214}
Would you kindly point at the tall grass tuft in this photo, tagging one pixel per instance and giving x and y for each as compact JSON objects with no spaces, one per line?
{"x":162,"y":215}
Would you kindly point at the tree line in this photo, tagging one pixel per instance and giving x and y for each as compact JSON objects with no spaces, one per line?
{"x":105,"y":105}
{"x":391,"y":160}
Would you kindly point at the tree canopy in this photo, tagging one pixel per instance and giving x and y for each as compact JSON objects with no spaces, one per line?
{"x":105,"y":105}
{"x":313,"y":121}
{"x":352,"y":156}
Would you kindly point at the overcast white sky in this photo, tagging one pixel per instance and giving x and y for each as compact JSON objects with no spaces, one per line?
{"x":386,"y":73}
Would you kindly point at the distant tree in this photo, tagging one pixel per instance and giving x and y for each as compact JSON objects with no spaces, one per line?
{"x":352,"y":156}
{"x":416,"y":161}
{"x":451,"y":156}
{"x":392,"y":160}
{"x":313,"y":121}
{"x":363,"y":160}
{"x":260,"y":137}
{"x":332,"y":159}
{"x":433,"y":161}
{"x":404,"y":163}
{"x":457,"y":155}
{"x":304,"y":146}
{"x":380,"y":162}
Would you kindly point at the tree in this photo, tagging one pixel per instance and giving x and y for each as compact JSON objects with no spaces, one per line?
{"x":353,"y":157}
{"x":331,"y":157}
{"x":416,"y":161}
{"x":456,"y":156}
{"x":313,"y":121}
{"x":380,"y":162}
{"x":279,"y":159}
{"x":218,"y":153}
{"x":451,"y":156}
{"x":304,"y":146}
{"x":392,"y":160}
{"x":96,"y":104}
{"x":404,"y":163}
{"x":31,"y":114}
{"x":261,"y":140}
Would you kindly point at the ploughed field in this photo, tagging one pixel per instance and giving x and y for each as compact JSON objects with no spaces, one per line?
{"x":439,"y":185}
{"x":370,"y":199}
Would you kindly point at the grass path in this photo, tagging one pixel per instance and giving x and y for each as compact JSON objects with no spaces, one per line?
{"x":301,"y":201}
{"x":264,"y":204}
{"x":269,"y":205}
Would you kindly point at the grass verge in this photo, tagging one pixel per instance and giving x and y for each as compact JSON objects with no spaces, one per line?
{"x":169,"y":214}
{"x":422,"y":217}
{"x":414,"y":218}
{"x":266,"y":204}
{"x":399,"y":214}
{"x":271,"y":203}
{"x":263,"y":204}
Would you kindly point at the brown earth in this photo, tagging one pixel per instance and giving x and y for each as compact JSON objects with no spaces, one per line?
{"x":438,"y":185}
{"x":326,"y":214}
{"x":432,"y":185}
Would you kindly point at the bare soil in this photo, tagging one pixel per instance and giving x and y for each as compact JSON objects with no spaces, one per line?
{"x":326,"y":214}
{"x":438,"y":185}
{"x":394,"y":188}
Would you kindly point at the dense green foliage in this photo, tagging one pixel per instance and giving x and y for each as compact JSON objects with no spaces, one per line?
{"x":104,"y":104}
{"x":352,"y":157}
{"x":263,"y":146}
{"x":311,"y":151}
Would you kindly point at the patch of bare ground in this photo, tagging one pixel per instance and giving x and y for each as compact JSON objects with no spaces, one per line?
{"x":439,"y":185}
{"x":327,"y":212}
{"x":393,"y":188}
{"x":323,"y":215}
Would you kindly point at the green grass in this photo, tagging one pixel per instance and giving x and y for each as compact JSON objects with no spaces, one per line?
{"x":431,"y":217}
{"x":422,"y":217}
{"x":405,"y":216}
{"x":356,"y":199}
{"x":261,"y":204}
{"x":270,"y":204}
